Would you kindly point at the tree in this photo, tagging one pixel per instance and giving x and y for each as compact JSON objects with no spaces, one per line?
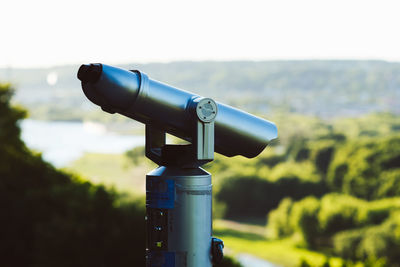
{"x":50,"y":218}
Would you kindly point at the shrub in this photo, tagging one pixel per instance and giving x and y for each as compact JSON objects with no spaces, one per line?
{"x":345,"y":243}
{"x":323,"y":158}
{"x":304,"y":221}
{"x":367,"y":169}
{"x":389,"y":185}
{"x":314,"y":222}
{"x":136,"y":154}
{"x":278,"y":220}
{"x":382,"y":241}
{"x":338,"y":212}
{"x":304,"y":263}
{"x":376,"y":245}
{"x":259,"y":196}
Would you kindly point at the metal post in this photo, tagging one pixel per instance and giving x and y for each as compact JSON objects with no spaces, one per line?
{"x":178,"y":214}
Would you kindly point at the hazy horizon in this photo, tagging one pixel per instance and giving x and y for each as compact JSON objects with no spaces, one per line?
{"x":200,"y":61}
{"x":46,"y":33}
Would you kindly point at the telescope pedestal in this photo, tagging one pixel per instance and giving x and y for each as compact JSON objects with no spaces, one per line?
{"x":178,"y":194}
{"x":179,"y":191}
{"x":178,"y":217}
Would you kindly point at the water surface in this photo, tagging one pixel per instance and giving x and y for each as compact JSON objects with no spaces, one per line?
{"x":62,"y":142}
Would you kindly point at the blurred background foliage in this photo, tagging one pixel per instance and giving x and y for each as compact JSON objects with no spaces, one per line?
{"x":326,"y":193}
{"x":52,"y":218}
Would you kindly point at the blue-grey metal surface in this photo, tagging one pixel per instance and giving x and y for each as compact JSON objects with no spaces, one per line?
{"x":189,"y":220}
{"x":134,"y":94}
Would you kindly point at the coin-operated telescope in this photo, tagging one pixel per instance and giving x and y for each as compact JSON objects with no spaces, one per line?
{"x":178,"y":192}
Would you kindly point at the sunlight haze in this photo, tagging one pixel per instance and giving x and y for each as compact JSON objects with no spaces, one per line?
{"x":46,"y":33}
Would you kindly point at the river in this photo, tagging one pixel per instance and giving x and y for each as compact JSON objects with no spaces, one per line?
{"x":62,"y":142}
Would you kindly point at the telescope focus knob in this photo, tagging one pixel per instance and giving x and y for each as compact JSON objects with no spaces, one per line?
{"x":206,"y":110}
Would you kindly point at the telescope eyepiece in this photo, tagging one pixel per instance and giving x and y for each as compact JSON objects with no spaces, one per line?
{"x":90,"y":73}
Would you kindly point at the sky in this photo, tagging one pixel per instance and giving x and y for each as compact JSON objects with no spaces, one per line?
{"x":44,"y":33}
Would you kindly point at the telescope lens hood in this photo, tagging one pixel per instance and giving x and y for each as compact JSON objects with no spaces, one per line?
{"x":90,"y":73}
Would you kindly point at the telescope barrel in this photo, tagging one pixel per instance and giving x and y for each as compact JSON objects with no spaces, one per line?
{"x":135,"y":95}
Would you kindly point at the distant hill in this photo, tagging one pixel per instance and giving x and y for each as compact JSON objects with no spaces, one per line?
{"x":322,"y":88}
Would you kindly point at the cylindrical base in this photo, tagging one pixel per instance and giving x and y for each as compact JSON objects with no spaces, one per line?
{"x":178,"y":214}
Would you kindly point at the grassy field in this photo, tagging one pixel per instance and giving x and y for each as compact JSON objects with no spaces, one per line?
{"x":112,"y":170}
{"x":250,"y":239}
